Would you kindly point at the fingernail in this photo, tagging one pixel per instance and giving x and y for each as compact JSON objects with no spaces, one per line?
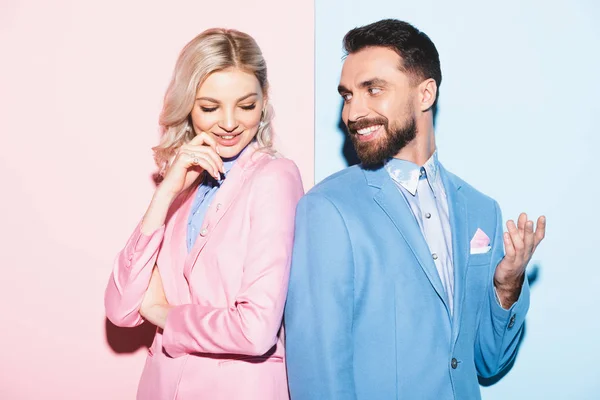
{"x":217,"y":150}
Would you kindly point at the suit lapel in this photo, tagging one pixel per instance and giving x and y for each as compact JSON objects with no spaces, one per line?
{"x":457,"y":208}
{"x":398,"y":210}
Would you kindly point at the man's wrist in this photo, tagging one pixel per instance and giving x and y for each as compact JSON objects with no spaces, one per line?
{"x":508,"y":291}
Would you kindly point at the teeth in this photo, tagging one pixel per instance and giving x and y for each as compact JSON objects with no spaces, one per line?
{"x":370,"y":129}
{"x":227,"y":137}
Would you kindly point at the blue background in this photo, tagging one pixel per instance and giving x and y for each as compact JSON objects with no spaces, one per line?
{"x":517,"y":119}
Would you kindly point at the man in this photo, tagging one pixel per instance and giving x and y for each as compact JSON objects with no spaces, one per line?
{"x":399,"y":287}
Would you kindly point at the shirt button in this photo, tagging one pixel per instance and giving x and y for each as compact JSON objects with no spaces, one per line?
{"x":204,"y":232}
{"x":427,"y":215}
{"x":454,"y":363}
{"x":435,"y":256}
{"x":422,"y":171}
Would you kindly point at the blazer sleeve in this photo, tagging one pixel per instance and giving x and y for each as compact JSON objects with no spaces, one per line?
{"x":130,"y":277}
{"x":500,"y":331}
{"x":251,"y":325}
{"x":320,"y":306}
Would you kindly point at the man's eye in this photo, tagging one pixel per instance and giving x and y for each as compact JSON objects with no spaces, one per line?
{"x":374,"y":90}
{"x":347,"y":96}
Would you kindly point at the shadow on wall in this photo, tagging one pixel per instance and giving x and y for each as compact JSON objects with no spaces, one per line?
{"x":129,"y":340}
{"x":348,"y":148}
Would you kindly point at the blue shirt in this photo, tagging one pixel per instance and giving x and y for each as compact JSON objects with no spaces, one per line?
{"x":206,"y":192}
{"x":423,"y":189}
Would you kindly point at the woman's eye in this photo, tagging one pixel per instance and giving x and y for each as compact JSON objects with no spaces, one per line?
{"x":208,"y":109}
{"x":249,"y":107}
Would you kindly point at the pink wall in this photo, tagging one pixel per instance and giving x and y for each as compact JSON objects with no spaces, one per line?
{"x":81,"y":85}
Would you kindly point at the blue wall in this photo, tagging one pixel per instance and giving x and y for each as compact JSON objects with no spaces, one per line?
{"x":517,"y":119}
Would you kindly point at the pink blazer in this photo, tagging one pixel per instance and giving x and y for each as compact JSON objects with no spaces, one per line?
{"x":223,"y":340}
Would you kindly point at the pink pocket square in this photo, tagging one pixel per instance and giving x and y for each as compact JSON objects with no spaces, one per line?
{"x":480,"y":243}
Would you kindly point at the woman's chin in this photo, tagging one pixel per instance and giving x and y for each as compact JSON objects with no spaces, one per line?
{"x":233,"y":151}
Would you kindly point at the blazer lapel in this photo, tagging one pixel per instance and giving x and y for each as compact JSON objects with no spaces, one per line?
{"x":225,"y":197}
{"x":398,"y":210}
{"x":457,"y":207}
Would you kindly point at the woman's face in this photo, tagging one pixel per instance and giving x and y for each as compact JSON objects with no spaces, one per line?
{"x":228,"y":107}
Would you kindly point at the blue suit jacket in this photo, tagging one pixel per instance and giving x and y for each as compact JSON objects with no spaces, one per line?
{"x":366,"y":315}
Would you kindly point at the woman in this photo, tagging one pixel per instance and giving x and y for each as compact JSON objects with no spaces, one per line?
{"x":209,"y":262}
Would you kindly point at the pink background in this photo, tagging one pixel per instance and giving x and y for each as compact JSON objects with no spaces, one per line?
{"x":81,"y":85}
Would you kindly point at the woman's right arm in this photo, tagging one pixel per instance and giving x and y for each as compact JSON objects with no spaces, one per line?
{"x":133,"y":266}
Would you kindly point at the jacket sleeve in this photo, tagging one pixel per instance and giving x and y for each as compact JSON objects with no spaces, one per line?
{"x":130,"y":277}
{"x":500,"y":331}
{"x":320,"y":306}
{"x":250,"y":325}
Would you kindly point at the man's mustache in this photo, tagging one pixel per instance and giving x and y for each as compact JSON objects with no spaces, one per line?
{"x":354,"y":126}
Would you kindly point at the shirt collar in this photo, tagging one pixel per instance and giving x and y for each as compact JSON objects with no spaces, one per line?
{"x":407,"y":174}
{"x":228,"y":164}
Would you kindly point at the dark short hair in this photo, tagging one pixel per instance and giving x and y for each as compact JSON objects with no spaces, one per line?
{"x":417,"y":52}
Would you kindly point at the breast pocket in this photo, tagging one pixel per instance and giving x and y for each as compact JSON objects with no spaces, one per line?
{"x":480,"y":260}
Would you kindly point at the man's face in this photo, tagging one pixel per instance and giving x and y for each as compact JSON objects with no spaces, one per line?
{"x":378,"y":104}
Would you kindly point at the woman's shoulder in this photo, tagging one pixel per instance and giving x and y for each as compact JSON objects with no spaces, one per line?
{"x":276,"y":169}
{"x":268,"y":163}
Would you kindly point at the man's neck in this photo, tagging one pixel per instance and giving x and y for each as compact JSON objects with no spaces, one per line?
{"x":422,"y":147}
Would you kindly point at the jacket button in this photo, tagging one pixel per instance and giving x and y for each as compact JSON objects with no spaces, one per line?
{"x":454,"y":363}
{"x":511,"y":323}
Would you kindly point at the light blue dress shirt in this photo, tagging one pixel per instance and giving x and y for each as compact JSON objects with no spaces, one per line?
{"x":205,"y":194}
{"x":423,"y":189}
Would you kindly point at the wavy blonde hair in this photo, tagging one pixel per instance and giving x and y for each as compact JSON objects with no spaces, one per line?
{"x":211,"y":51}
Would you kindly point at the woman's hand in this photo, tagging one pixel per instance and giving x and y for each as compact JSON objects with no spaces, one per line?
{"x":200,"y":154}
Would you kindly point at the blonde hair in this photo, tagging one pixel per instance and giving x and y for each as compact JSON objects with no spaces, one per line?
{"x":211,"y":51}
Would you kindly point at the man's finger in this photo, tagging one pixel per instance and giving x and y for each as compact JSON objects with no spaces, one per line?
{"x":540,"y":231}
{"x":517,"y":240}
{"x":528,"y":240}
{"x":509,"y":249}
{"x":521,"y":224}
{"x":515,"y":235}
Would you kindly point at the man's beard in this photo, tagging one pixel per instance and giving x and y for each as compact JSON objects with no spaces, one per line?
{"x":375,"y":152}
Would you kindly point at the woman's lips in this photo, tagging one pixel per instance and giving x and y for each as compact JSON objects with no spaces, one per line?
{"x":228,"y":139}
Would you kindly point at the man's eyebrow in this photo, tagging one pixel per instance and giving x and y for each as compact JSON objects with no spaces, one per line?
{"x":364,"y":84}
{"x":372,"y":82}
{"x":343,"y":89}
